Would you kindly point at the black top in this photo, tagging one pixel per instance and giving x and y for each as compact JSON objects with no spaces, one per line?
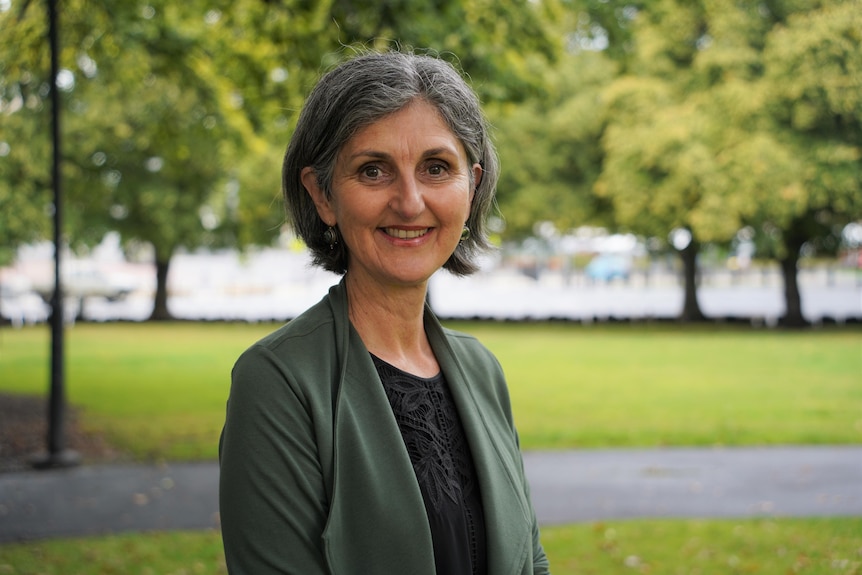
{"x":438,"y":449}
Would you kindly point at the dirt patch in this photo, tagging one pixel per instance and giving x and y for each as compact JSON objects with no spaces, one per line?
{"x":24,"y":434}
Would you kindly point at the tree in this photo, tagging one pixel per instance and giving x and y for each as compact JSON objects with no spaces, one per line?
{"x":789,"y":153}
{"x":150,"y":134}
{"x":657,"y":143}
{"x":657,"y":170}
{"x":813,"y":82}
{"x":732,"y":115}
{"x":143,"y":127}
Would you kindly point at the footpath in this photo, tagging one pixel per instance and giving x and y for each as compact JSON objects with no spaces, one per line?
{"x":567,"y":487}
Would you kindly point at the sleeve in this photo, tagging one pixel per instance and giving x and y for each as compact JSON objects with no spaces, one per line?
{"x":272,"y":498}
{"x":541,"y":566}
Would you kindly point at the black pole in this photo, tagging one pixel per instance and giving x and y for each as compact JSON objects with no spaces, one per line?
{"x":58,"y":455}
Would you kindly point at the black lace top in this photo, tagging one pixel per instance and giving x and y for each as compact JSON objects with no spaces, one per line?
{"x":438,"y":450}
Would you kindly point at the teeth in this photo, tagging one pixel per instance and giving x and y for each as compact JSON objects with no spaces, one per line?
{"x":406,"y":234}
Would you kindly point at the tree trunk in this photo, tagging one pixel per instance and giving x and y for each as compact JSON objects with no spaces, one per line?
{"x":792,"y":299}
{"x":160,"y":305}
{"x":690,"y":308}
{"x":794,"y":239}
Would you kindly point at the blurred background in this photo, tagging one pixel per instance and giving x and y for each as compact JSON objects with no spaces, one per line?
{"x":665,"y":159}
{"x":687,"y":163}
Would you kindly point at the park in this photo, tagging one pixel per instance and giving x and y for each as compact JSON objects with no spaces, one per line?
{"x":723,"y":139}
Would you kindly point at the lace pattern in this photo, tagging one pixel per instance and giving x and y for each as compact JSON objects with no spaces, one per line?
{"x":431,"y":428}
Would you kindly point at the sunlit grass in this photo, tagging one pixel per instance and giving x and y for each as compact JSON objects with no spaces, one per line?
{"x":162,"y":553}
{"x":762,"y":546}
{"x":576,"y":386}
{"x":159,"y":390}
{"x":719,"y":547}
{"x":155,"y":390}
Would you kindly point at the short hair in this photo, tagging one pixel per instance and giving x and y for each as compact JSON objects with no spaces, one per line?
{"x":359,"y":92}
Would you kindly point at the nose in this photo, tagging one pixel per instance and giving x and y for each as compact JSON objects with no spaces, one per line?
{"x":407,"y":200}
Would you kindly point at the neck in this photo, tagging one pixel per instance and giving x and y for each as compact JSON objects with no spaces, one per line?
{"x":390,"y":323}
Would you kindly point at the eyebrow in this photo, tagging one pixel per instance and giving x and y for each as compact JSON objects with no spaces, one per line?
{"x":441,"y":150}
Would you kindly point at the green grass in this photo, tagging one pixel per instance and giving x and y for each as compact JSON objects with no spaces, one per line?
{"x":576,"y":386}
{"x":767,"y":547}
{"x":162,"y":553}
{"x":757,"y":546}
{"x":158,"y":391}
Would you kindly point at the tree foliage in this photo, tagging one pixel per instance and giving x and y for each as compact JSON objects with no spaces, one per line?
{"x":25,"y":152}
{"x":813,"y":104}
{"x":176,"y":114}
{"x":549,"y":149}
{"x":142,"y":125}
{"x":738,"y":114}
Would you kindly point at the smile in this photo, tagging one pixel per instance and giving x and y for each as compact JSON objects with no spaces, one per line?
{"x":406,"y":234}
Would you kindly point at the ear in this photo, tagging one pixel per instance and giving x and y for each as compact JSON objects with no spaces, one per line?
{"x":318,"y":196}
{"x":477,"y":179}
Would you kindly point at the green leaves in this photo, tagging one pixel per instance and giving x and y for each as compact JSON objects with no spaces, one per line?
{"x":814,"y":69}
{"x":758,"y":122}
{"x":173,"y":110}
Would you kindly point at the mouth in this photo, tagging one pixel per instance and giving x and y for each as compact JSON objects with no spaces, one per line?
{"x":406,"y":234}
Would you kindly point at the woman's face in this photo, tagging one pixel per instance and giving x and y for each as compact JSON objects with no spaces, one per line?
{"x":401,"y":193}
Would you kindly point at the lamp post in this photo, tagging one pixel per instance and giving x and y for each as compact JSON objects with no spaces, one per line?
{"x":57,"y":454}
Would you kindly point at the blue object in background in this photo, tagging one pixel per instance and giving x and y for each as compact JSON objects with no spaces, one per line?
{"x":607,"y":267}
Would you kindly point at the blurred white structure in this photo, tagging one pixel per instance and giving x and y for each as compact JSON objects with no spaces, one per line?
{"x":277,"y":284}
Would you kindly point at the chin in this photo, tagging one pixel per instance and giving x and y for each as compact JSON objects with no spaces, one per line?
{"x":412,"y":279}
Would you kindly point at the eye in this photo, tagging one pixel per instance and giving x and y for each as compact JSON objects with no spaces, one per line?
{"x":437,"y":169}
{"x":370,"y":171}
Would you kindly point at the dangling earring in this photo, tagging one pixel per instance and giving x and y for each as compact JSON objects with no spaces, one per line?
{"x":465,"y":233}
{"x":330,"y":236}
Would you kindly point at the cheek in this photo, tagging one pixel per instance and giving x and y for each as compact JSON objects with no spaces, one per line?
{"x":352,"y":209}
{"x":456,"y":212}
{"x":468,"y":205}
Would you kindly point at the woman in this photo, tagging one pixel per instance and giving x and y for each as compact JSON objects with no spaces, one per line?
{"x":363,"y":437}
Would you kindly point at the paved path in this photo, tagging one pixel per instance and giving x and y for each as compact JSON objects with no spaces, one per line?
{"x":682,"y":482}
{"x":567,"y":487}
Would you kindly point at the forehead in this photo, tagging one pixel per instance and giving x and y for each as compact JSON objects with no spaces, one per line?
{"x":417,"y":125}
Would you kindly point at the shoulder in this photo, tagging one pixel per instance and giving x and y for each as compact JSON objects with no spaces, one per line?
{"x":481,"y":368}
{"x":308,"y":331}
{"x":467,"y":346}
{"x":296,"y":355}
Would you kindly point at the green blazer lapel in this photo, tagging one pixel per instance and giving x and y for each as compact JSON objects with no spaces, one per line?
{"x":377,"y":521}
{"x":473,"y":381}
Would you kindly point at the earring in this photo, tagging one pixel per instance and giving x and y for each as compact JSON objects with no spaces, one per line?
{"x":465,"y":233}
{"x":330,"y":236}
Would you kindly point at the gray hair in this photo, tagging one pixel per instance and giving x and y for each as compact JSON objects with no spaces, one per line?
{"x":359,"y":92}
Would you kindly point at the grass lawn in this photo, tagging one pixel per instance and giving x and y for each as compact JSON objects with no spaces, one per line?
{"x":575,"y":386}
{"x":158,"y":391}
{"x":757,"y":546}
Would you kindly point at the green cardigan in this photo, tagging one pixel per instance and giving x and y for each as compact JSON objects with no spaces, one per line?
{"x":315,"y":477}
